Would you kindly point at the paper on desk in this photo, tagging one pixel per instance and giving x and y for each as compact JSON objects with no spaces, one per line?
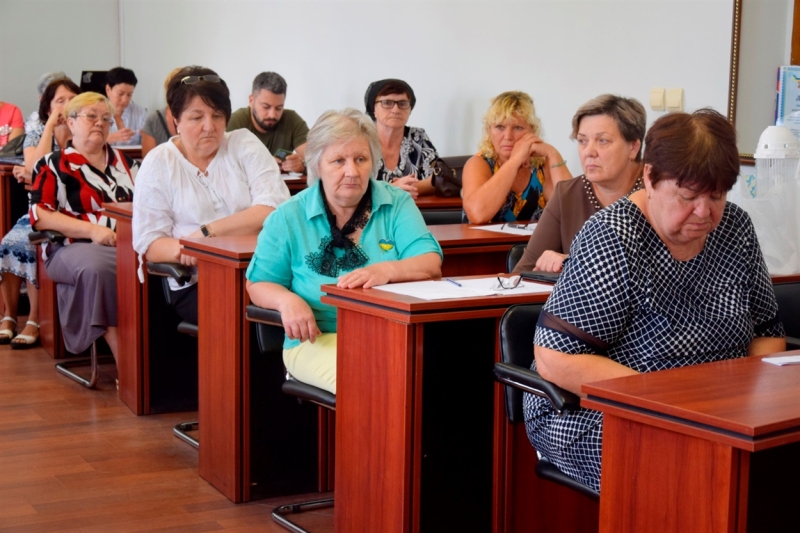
{"x":470,"y":288}
{"x":783,"y":360}
{"x":291,"y":176}
{"x":503,"y":228}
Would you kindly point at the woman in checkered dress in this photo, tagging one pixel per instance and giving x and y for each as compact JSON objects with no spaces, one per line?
{"x":671,"y":276}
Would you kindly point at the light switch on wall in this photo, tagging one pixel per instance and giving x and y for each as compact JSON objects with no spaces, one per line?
{"x":674,"y":99}
{"x":657,"y":99}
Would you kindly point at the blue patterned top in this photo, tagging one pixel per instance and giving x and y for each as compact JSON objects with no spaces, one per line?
{"x":623,"y":296}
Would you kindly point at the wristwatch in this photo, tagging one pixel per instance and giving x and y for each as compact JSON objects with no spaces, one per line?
{"x":205,"y":230}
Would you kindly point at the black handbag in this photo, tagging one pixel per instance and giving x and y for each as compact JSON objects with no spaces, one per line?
{"x":446,"y":182}
{"x":13,"y":147}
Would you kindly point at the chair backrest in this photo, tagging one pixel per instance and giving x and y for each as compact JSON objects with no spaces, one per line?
{"x":269,"y":328}
{"x":788,"y":296}
{"x":514,"y":255}
{"x":444,"y":216}
{"x":517,"y":327}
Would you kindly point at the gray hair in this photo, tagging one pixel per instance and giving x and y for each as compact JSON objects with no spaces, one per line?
{"x":340,"y":126}
{"x":269,"y":81}
{"x":628,"y":113}
{"x":47,"y":79}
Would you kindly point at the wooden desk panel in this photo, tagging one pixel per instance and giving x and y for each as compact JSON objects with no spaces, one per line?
{"x":384,"y":417}
{"x":439,"y":203}
{"x":469,"y":251}
{"x":132,"y":360}
{"x":678,"y":445}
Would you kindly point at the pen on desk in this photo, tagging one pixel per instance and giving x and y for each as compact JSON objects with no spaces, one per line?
{"x":454,"y":282}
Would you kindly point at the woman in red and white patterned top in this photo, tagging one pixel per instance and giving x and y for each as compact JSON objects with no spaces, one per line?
{"x":69,"y":190}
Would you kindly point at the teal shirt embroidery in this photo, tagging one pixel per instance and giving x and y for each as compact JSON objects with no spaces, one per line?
{"x":395,"y":230}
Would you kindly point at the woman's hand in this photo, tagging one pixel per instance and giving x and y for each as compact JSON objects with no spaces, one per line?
{"x":123,"y":135}
{"x":103,"y":236}
{"x":56,"y":117}
{"x":408,"y":184}
{"x":367,"y":277}
{"x":292,"y":163}
{"x":21,"y":175}
{"x":525,"y":147}
{"x":550,"y":261}
{"x":298,"y":319}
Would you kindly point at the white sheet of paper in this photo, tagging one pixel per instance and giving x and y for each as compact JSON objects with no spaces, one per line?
{"x":783,"y":360}
{"x":470,"y":288}
{"x":291,"y":176}
{"x":503,"y":228}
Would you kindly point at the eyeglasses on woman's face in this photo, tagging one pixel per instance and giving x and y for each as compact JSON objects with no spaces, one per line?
{"x":191,"y":80}
{"x":388,"y":104}
{"x":92,"y":118}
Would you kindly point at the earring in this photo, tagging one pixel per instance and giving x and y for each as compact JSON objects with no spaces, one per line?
{"x":649,"y":197}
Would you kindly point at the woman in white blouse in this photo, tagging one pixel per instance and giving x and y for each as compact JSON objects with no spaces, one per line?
{"x":203,"y":182}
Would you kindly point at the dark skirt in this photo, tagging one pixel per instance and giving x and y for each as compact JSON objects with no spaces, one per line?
{"x":86,"y":277}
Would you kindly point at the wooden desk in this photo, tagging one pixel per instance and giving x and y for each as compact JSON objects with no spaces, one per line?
{"x":296,"y":185}
{"x":224,"y":403}
{"x":432,"y":202}
{"x":711,"y":447}
{"x":134,"y":152}
{"x":469,"y":251}
{"x":422,"y":440}
{"x":132,"y":316}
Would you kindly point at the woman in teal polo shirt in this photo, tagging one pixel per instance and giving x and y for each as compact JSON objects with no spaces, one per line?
{"x":346,"y":228}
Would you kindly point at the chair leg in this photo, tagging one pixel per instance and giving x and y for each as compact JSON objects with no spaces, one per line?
{"x":182,"y":432}
{"x":93,"y":362}
{"x":280,"y":512}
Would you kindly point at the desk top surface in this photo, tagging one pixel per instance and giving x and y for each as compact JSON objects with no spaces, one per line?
{"x":241,"y":248}
{"x":119,"y":210}
{"x":410,"y":304}
{"x":746,"y":396}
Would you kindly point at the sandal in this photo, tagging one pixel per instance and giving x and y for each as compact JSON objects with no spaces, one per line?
{"x":27,"y":341}
{"x":6,"y":334}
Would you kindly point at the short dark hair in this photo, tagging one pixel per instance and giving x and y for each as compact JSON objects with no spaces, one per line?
{"x":269,"y":81}
{"x":118,"y":75}
{"x":215,"y":95}
{"x":697,"y":150}
{"x":50,"y":93}
{"x":393,"y":87}
{"x":628,"y":113}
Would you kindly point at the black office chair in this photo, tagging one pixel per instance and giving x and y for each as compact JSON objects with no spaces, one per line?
{"x":514,"y":255}
{"x":516,"y":349}
{"x":94,"y":360}
{"x":185,"y":431}
{"x":788,"y":297}
{"x":269,"y":331}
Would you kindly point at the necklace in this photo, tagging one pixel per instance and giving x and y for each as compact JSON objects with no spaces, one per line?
{"x":587,"y":186}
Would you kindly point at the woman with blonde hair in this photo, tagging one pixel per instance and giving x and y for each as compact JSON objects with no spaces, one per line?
{"x":69,"y":188}
{"x":514,"y":173}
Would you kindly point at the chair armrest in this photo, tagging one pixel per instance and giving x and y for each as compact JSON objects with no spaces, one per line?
{"x":530,"y":381}
{"x":792,"y":343}
{"x":180,"y":273}
{"x":264,"y":316}
{"x":46,"y":235}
